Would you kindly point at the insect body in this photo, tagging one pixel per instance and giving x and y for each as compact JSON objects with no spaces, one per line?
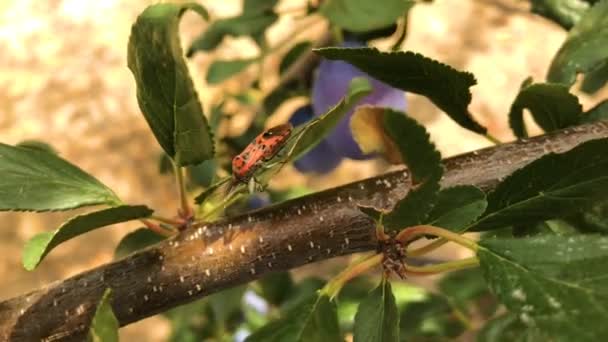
{"x":263,"y":148}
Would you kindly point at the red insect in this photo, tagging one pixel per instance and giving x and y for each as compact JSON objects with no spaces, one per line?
{"x":263,"y":148}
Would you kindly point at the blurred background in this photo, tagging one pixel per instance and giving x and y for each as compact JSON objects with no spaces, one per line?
{"x":64,"y":80}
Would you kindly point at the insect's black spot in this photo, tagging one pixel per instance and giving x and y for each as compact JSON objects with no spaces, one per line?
{"x":267,"y":134}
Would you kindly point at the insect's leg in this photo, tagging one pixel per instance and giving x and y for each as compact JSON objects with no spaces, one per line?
{"x":251,"y":185}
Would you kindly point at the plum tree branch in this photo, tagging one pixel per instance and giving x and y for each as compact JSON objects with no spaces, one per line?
{"x":212,"y":257}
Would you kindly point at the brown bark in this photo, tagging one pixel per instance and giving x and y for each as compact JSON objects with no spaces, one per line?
{"x":209,"y":258}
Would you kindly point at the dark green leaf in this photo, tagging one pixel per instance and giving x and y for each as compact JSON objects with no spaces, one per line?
{"x":275,"y":287}
{"x":430,"y":320}
{"x":226,"y":303}
{"x":281,"y":94}
{"x":366,"y":36}
{"x":40,"y":245}
{"x":458,"y":206}
{"x":165,"y":92}
{"x":564,"y":12}
{"x":596,"y":78}
{"x":508,"y":328}
{"x":192,"y":322}
{"x":104,"y":327}
{"x":594,"y":220}
{"x":377,"y":318}
{"x":556,"y":283}
{"x":302,"y":290}
{"x":350,"y":297}
{"x":597,"y":113}
{"x":445,"y":86}
{"x":552,"y":186}
{"x":551,"y":105}
{"x":467,"y":288}
{"x":136,"y":240}
{"x":37,"y":145}
{"x":293,"y":54}
{"x":258,"y":6}
{"x":204,"y":173}
{"x":220,"y":70}
{"x":585,"y":48}
{"x":248,"y":24}
{"x":424,"y":164}
{"x":36,"y":180}
{"x":314,"y":320}
{"x":358,"y":16}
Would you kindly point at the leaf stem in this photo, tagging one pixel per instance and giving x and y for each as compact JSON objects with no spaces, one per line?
{"x":212,"y":214}
{"x":333,"y":287}
{"x":427,"y":248}
{"x":167,"y":220}
{"x":442,"y":267}
{"x":407,"y":234}
{"x":402,"y":33}
{"x":157,"y":228}
{"x":186,"y":211}
{"x":493,"y":139}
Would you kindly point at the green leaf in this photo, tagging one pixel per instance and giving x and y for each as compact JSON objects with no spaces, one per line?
{"x":192,"y":322}
{"x":585,"y":48}
{"x":258,"y":6}
{"x":204,"y":173}
{"x":424,"y":164}
{"x":293,"y":54}
{"x":301,"y":292}
{"x":458,"y":206}
{"x":551,"y":105}
{"x":315,"y":131}
{"x":377,"y":318}
{"x":432,"y":319}
{"x":136,"y":240}
{"x":281,"y":94}
{"x":564,"y":12}
{"x":597,"y":113}
{"x":202,"y":197}
{"x":165,"y":92}
{"x":508,"y":328}
{"x":358,"y":16}
{"x":36,"y":180}
{"x":307,"y":136}
{"x":104,"y":327}
{"x":37,"y":145}
{"x":313,"y":320}
{"x":220,"y":71}
{"x":165,"y":165}
{"x":594,"y":220}
{"x":249,"y":24}
{"x":466,"y":290}
{"x":596,"y":78}
{"x":552,"y":186}
{"x":227,"y":303}
{"x":40,"y":245}
{"x":445,"y":86}
{"x":276,"y":287}
{"x":557,"y":284}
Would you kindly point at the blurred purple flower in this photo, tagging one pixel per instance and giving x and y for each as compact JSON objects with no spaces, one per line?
{"x":258,"y":200}
{"x":330,"y":86}
{"x":320,"y":159}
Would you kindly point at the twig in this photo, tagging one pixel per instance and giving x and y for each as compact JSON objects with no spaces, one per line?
{"x":208,"y":258}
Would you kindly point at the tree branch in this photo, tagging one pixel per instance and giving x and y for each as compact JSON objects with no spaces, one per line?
{"x":212,"y":257}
